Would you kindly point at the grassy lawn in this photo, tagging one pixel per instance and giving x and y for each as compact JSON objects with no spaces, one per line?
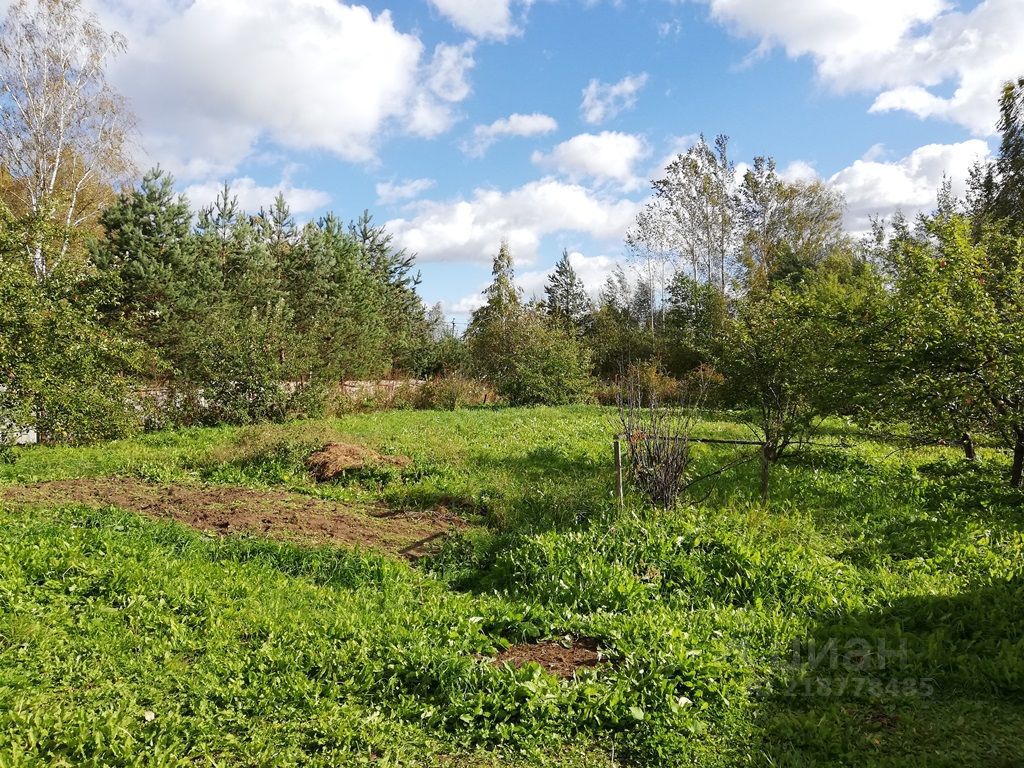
{"x":871,"y":614}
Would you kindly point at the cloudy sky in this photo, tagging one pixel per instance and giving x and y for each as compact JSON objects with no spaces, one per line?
{"x":462,"y":122}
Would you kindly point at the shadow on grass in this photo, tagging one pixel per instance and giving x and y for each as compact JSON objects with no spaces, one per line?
{"x":540,"y":490}
{"x":925,"y":681}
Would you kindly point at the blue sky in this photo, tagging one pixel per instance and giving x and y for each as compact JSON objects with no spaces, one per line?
{"x":462,"y":122}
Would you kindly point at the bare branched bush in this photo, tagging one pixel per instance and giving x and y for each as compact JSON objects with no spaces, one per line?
{"x":658,"y":434}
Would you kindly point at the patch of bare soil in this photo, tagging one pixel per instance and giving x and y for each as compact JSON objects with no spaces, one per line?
{"x":334,"y":459}
{"x":229,"y":509}
{"x":556,"y":658}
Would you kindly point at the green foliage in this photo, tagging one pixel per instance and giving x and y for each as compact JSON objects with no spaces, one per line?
{"x":61,"y":371}
{"x":787,"y":228}
{"x":243,"y":312}
{"x":954,"y":351}
{"x":768,"y":360}
{"x":694,"y":320}
{"x":147,"y":243}
{"x":565,"y":295}
{"x":527,"y":357}
{"x":402,"y":310}
{"x":546,"y":364}
{"x":1008,"y":203}
{"x":620,"y":330}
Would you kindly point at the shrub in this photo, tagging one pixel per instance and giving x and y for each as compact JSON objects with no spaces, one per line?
{"x":649,"y":385}
{"x":449,"y":393}
{"x":532,"y":360}
{"x":657,"y":435}
{"x":366,"y":396}
{"x":60,"y":370}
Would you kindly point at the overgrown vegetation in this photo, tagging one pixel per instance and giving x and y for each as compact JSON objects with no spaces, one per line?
{"x":851,"y":622}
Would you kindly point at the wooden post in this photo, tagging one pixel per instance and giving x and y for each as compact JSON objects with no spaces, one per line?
{"x":968,"y":443}
{"x":617,"y":449}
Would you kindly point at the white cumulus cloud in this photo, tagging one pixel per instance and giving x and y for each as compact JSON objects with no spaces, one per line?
{"x":446,"y":83}
{"x":926,"y":57}
{"x":798,"y":170}
{"x":603,"y":101}
{"x":484,"y":136}
{"x":909,"y":184}
{"x":389,"y":192}
{"x":213,"y":79}
{"x":472,"y":230}
{"x":481,"y":18}
{"x":605,"y":156}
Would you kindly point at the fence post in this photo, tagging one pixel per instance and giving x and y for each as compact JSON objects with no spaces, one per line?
{"x":617,"y":448}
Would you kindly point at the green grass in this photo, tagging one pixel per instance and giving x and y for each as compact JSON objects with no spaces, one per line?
{"x":871,"y":614}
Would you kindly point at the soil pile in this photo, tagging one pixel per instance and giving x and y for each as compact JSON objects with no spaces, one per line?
{"x":335,"y":459}
{"x":560,"y":660}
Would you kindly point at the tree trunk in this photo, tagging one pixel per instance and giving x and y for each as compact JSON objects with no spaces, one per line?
{"x":968,"y":443}
{"x":38,"y":262}
{"x":765,"y":466}
{"x":1017,"y":473}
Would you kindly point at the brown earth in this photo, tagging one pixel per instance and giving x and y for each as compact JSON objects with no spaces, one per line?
{"x":560,"y":660}
{"x":228,"y":509}
{"x":334,"y":459}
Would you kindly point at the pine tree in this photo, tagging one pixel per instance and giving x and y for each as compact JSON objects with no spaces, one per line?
{"x":146,"y":248}
{"x":403,"y":311}
{"x":278,"y":224}
{"x":566,"y":296}
{"x":504,"y":299}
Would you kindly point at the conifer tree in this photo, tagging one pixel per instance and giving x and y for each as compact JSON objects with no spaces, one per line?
{"x":504,"y":298}
{"x":404,"y":314}
{"x":566,"y":297}
{"x":146,"y":249}
{"x":490,"y":325}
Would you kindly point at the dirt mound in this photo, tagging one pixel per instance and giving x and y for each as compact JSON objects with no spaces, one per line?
{"x":558,"y":659}
{"x":334,"y":459}
{"x":230,"y":509}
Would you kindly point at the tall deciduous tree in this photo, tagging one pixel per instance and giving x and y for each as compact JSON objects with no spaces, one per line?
{"x":786,"y":228}
{"x":61,"y":370}
{"x":64,"y":131}
{"x":691,"y":220}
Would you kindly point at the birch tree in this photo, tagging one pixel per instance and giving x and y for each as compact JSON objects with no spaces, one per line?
{"x":691,"y":219}
{"x":64,"y":131}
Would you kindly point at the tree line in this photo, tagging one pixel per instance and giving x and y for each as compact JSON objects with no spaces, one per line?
{"x":746,"y":280}
{"x":750,"y":282}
